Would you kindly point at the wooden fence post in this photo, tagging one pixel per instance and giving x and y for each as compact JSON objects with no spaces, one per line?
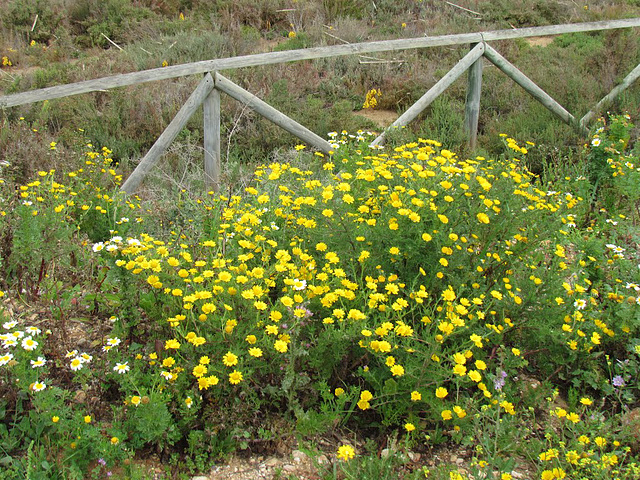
{"x":607,"y":99}
{"x":179,"y":121}
{"x":423,"y":102}
{"x":267,"y":111}
{"x":472,"y":105}
{"x":211,"y":107}
{"x":531,"y":88}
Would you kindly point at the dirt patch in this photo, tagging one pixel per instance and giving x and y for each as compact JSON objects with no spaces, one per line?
{"x":540,"y":41}
{"x":382,"y":118}
{"x":298,"y":465}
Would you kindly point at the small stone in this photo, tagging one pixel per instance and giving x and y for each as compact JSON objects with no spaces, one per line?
{"x":289,"y":468}
{"x":385,"y":453}
{"x":298,"y":456}
{"x":414,"y":457}
{"x":80,"y":397}
{"x":272,"y":462}
{"x":322,"y":460}
{"x":200,"y":477}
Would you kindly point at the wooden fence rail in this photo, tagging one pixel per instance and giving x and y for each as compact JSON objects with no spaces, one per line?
{"x":208,"y":91}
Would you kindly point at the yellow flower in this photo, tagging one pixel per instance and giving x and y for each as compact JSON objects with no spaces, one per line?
{"x":87,"y":419}
{"x":346,"y":452}
{"x":460,"y":370}
{"x":366,"y":395}
{"x":441,"y":392}
{"x":114,"y":440}
{"x":459,"y":411}
{"x":255,"y":352}
{"x":475,"y":376}
{"x":446,"y":415}
{"x":230,"y":359}
{"x":483,"y":217}
{"x":416,"y":396}
{"x":409,"y":427}
{"x":135,"y":400}
{"x":168,"y":362}
{"x":55,"y":419}
{"x":281,"y":346}
{"x":172,"y":344}
{"x":600,"y":441}
{"x":338,"y":392}
{"x":235,"y":377}
{"x":199,"y":370}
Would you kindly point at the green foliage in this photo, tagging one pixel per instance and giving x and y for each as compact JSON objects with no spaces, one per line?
{"x":526,"y":14}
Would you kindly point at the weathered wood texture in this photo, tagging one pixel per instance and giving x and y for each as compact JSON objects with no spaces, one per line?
{"x":529,"y":86}
{"x":212,"y":141}
{"x":472,"y":105}
{"x":607,"y":99}
{"x":270,"y":58}
{"x":452,"y":75}
{"x":178,"y":123}
{"x":227,"y":86}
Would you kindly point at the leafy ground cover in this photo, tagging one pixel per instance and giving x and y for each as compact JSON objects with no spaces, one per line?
{"x":414,"y":300}
{"x":401,"y":295}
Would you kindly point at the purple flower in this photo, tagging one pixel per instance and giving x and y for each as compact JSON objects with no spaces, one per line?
{"x":102,"y":461}
{"x":618,"y":381}
{"x":498,"y":383}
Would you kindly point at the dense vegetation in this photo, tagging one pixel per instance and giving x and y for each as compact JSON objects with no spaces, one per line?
{"x":417,"y":296}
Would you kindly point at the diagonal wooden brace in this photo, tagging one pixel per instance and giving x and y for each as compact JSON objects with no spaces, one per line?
{"x":177,"y":124}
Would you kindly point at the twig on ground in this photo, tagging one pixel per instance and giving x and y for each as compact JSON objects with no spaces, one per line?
{"x":463,"y":8}
{"x":111,"y":42}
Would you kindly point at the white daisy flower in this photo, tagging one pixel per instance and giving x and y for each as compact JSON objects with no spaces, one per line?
{"x":29,"y":343}
{"x":9,"y":325}
{"x":580,"y":304}
{"x":85,"y":357}
{"x":39,"y":362}
{"x":76,"y":364}
{"x":4,"y":359}
{"x":38,"y":386}
{"x":121,"y":367}
{"x":299,"y":284}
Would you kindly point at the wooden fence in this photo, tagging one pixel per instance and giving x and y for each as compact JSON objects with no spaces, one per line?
{"x":207,"y":93}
